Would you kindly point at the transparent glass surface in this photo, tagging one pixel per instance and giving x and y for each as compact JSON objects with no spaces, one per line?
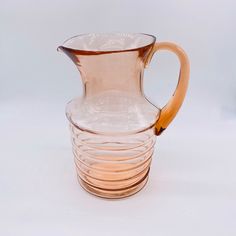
{"x":112,"y":124}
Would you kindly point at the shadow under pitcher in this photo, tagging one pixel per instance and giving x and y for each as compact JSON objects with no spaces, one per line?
{"x":113,"y":125}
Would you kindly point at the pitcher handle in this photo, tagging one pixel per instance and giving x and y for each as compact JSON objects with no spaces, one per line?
{"x":169,"y":111}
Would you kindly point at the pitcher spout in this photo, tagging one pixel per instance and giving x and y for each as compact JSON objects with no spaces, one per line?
{"x":59,"y":49}
{"x":71,"y":53}
{"x":64,"y":50}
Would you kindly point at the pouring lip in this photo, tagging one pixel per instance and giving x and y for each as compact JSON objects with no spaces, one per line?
{"x":77,"y":50}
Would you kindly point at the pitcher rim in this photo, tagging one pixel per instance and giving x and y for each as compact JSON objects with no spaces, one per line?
{"x":93,"y":52}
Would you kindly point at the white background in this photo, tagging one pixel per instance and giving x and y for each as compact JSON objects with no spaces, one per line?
{"x":192,"y":185}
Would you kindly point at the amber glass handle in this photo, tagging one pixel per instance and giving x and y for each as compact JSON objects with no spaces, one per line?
{"x":169,"y":111}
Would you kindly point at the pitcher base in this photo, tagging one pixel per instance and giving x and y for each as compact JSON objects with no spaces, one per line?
{"x":114,"y":193}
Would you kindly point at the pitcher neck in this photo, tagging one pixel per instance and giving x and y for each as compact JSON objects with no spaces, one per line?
{"x":113,"y":62}
{"x":121,"y":72}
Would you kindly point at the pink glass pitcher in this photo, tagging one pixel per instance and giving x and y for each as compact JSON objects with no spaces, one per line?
{"x":113,"y":125}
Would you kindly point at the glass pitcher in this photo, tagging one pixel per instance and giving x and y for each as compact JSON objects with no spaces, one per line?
{"x":113,"y":125}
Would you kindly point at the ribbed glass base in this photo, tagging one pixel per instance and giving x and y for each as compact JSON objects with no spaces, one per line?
{"x":112,"y":166}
